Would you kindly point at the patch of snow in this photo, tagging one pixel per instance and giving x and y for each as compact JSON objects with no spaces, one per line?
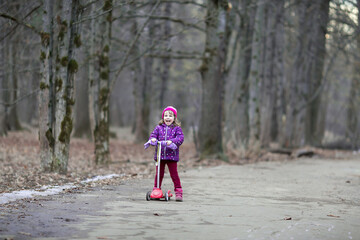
{"x":97,"y":178}
{"x":47,"y":190}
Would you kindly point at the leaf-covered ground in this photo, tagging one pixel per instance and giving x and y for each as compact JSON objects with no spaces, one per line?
{"x":20,"y":163}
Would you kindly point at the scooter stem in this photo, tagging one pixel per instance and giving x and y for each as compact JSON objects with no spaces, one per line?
{"x":158,"y":163}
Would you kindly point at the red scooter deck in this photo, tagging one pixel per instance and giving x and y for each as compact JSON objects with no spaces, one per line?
{"x":157,"y":194}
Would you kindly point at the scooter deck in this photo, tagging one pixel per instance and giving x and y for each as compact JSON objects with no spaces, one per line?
{"x":157,"y":194}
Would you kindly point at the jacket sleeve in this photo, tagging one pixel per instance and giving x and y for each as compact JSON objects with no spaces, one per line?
{"x":155,"y":133}
{"x":179,"y":137}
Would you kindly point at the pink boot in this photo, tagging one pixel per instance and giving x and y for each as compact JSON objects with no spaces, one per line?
{"x":178,"y":194}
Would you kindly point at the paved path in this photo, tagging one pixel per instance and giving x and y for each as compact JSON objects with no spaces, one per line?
{"x":300,"y":199}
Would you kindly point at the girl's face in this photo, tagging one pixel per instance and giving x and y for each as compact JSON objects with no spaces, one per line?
{"x":169,"y":118}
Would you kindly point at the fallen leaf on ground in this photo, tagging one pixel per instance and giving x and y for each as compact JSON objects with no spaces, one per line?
{"x":24,"y":233}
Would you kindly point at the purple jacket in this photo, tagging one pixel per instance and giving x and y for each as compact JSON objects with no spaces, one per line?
{"x":164,"y":133}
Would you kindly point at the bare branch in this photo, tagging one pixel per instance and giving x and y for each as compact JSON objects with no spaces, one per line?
{"x":184,"y":2}
{"x":20,"y":99}
{"x":5,"y":15}
{"x":122,"y":65}
{"x":14,"y":28}
{"x":175,"y":56}
{"x":175,"y":20}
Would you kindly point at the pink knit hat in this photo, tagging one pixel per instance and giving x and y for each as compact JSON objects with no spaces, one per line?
{"x":170,"y":108}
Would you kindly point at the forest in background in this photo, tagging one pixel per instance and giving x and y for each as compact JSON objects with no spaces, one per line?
{"x":244,"y":75}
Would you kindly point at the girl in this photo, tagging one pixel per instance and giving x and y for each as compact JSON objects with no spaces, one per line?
{"x":170,"y":132}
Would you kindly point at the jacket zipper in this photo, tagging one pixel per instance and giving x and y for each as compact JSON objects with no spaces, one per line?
{"x":166,"y":128}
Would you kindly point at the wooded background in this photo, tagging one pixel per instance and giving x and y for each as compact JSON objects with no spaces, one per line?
{"x":244,"y":75}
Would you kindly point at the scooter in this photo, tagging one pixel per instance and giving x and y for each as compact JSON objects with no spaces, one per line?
{"x":157,"y":193}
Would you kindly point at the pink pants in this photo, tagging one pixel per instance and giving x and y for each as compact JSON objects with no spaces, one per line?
{"x":172,"y":166}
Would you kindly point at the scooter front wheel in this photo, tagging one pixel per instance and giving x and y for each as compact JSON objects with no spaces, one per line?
{"x":166,"y":196}
{"x":148,"y":194}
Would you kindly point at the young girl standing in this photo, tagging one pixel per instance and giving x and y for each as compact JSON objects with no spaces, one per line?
{"x":170,"y":132}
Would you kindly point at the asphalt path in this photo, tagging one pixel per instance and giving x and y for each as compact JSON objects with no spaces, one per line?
{"x":297,"y":199}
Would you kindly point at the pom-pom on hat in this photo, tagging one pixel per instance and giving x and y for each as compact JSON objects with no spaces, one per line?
{"x":170,"y":108}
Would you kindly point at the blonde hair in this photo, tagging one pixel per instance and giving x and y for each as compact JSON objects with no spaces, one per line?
{"x":176,"y":122}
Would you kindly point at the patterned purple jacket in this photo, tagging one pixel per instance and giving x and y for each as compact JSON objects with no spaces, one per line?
{"x":164,"y":133}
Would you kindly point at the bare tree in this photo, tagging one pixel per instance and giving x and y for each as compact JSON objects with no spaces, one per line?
{"x":10,"y":72}
{"x":81,"y":112}
{"x":272,"y":81}
{"x":212,"y":76}
{"x":55,"y":143}
{"x":3,"y":129}
{"x":255,"y":77}
{"x":240,"y":106}
{"x":317,"y":54}
{"x":12,"y":118}
{"x":166,"y":63}
{"x":101,"y":131}
{"x":306,"y":74}
{"x":93,"y":91}
{"x":46,"y":104}
{"x":353,"y":112}
{"x":143,"y":85}
{"x":297,"y":89}
{"x":135,"y":72}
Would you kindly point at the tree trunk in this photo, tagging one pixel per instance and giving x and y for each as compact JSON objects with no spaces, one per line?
{"x":101,"y":131}
{"x":303,"y":100}
{"x":166,"y":63}
{"x":46,"y":138}
{"x":93,"y":81}
{"x":63,"y":123}
{"x":237,"y":117}
{"x":64,"y":83}
{"x":255,"y":78}
{"x":12,"y":118}
{"x":82,"y":122}
{"x":145,"y":90}
{"x":268,"y":85}
{"x":3,"y":129}
{"x":353,"y":112}
{"x":10,"y":84}
{"x":81,"y":114}
{"x":212,"y":76}
{"x":298,"y":88}
{"x":313,"y":134}
{"x":273,"y":71}
{"x":245,"y":52}
{"x":135,"y":70}
{"x":280,"y":110}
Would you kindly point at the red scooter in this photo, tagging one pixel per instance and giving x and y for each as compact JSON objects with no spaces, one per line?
{"x":157,"y":193}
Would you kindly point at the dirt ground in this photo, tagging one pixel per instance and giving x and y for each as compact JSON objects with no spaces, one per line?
{"x":296,"y":199}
